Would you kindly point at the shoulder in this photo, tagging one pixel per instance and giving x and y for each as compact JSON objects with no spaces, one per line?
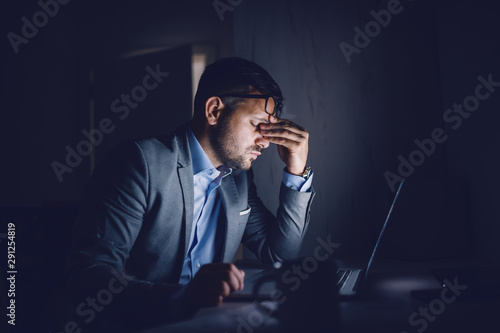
{"x":168,"y":143}
{"x":160,"y":146}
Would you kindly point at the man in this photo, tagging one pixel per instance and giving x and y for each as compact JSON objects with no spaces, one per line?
{"x":162,"y":218}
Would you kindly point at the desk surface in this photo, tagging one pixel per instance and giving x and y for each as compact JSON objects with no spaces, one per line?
{"x":385,"y":306}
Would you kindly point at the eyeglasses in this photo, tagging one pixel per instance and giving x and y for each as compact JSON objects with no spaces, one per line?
{"x":278,"y":102}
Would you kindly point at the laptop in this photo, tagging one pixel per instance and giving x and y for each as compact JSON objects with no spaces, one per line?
{"x":349,"y":280}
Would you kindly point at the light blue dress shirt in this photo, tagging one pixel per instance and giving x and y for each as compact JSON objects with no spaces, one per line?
{"x":207,"y":232}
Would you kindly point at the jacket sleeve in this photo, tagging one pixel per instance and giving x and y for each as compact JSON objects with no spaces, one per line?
{"x":110,"y":218}
{"x":277,"y":238}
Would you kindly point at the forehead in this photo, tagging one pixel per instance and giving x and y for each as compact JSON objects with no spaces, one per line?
{"x":255,"y":108}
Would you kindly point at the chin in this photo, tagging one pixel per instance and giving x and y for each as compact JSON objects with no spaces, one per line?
{"x":247,"y":166}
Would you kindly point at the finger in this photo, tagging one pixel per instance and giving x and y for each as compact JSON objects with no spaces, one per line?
{"x":285,"y":133}
{"x":273,"y":121}
{"x":291,"y":145}
{"x":284,"y":126}
{"x":224,"y":288}
{"x":240,"y":276}
{"x":227,"y":273}
{"x":234,"y":279}
{"x":288,"y":136}
{"x":242,"y":280}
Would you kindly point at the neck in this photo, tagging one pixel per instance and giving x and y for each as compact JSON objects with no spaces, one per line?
{"x":202,"y":134}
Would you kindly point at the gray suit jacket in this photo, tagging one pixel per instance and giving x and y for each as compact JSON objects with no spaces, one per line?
{"x":136,"y":219}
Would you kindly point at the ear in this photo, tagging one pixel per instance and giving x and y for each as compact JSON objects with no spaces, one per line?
{"x":213,"y":109}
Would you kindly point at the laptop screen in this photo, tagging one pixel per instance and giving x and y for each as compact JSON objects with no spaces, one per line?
{"x":383,"y":228}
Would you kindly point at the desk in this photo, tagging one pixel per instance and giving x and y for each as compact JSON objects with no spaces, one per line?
{"x":385,"y":306}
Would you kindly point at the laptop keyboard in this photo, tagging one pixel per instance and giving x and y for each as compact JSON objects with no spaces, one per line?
{"x":342,"y":275}
{"x":255,"y":277}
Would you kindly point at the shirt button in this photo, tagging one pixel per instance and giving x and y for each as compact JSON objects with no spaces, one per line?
{"x":198,"y":265}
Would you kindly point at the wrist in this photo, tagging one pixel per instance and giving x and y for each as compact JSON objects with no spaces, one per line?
{"x":296,"y":172}
{"x":304,"y":172}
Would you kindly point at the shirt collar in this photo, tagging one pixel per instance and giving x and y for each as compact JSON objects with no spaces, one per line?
{"x":201,"y":162}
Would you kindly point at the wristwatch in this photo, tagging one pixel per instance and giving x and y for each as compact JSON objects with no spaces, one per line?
{"x":306,"y":173}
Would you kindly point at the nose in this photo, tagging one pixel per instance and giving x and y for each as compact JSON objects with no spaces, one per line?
{"x":262,"y":143}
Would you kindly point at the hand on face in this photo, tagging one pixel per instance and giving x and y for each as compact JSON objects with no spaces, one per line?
{"x":213,"y":282}
{"x":291,"y":140}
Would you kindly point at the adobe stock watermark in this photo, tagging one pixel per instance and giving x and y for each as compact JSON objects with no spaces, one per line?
{"x":453,"y":116}
{"x":29,"y":29}
{"x":292,"y":277}
{"x":120,"y":106}
{"x":89,"y":308}
{"x":372,"y":29}
{"x":222,"y":6}
{"x":420,"y":320}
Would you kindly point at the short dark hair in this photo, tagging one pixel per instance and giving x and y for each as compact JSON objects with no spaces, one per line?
{"x":234,"y":75}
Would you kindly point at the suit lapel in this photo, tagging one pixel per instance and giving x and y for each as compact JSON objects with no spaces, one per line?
{"x":186,"y":179}
{"x":230,"y":201}
{"x":185,"y":172}
{"x":228,"y":192}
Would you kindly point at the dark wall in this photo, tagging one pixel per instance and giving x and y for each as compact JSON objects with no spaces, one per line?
{"x":468,"y":34}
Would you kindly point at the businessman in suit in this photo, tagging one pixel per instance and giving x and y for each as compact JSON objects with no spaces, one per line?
{"x":162,"y":218}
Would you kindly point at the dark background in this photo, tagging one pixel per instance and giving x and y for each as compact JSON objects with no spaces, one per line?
{"x":361,"y":115}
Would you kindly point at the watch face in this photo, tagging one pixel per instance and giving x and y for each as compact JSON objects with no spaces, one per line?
{"x":307,"y":171}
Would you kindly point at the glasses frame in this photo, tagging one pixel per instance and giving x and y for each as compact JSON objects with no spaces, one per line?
{"x":277,"y":102}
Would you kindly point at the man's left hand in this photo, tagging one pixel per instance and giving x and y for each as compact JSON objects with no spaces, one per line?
{"x":291,"y":140}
